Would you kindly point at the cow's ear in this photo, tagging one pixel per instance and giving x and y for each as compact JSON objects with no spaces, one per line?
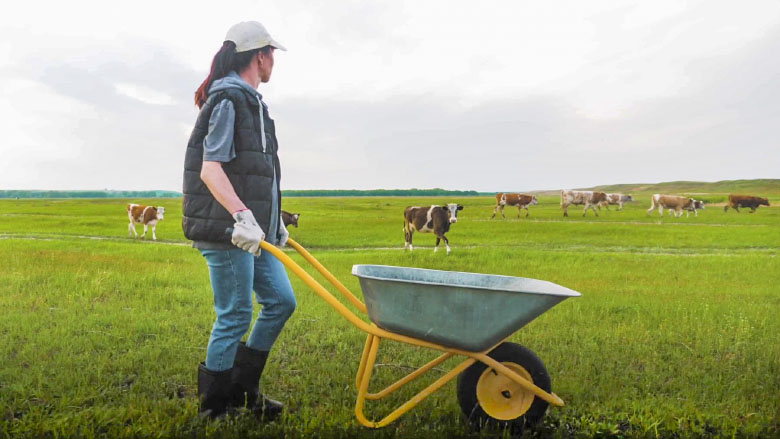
{"x":460,"y":207}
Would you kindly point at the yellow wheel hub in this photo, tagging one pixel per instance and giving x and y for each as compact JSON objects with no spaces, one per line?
{"x":500,"y":397}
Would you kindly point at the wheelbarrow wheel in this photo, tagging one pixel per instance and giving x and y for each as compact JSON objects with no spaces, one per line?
{"x":491,"y":399}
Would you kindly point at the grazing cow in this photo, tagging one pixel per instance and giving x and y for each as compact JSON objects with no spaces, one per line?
{"x":146,"y":215}
{"x":522,"y":201}
{"x":737,"y":201}
{"x":290,"y":218}
{"x":618,"y":199}
{"x":436,"y":219}
{"x":589,"y":198}
{"x":672,"y":202}
{"x":697,"y":205}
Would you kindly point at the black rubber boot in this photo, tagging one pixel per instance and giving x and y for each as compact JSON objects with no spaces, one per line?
{"x":247,"y":370}
{"x":214,"y":391}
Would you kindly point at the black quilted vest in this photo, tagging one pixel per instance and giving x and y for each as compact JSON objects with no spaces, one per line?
{"x":251,"y":172}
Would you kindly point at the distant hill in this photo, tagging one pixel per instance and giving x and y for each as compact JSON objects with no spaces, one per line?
{"x":761,"y":186}
{"x":749,"y":187}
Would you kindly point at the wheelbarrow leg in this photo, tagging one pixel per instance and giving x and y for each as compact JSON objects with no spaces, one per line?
{"x":363,"y":358}
{"x":364,"y":374}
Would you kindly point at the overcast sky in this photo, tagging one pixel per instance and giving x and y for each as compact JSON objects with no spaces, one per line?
{"x":504,"y":95}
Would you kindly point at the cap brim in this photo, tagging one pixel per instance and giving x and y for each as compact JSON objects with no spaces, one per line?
{"x":275,"y":44}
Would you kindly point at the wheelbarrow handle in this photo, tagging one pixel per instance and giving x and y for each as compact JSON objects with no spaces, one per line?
{"x":317,"y":265}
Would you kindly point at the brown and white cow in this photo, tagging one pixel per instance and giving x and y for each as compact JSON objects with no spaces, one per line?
{"x":146,"y":215}
{"x":436,"y":219}
{"x":589,"y":198}
{"x":290,"y":218}
{"x":737,"y":201}
{"x":673,"y":203}
{"x":616,"y":199}
{"x":522,"y":201}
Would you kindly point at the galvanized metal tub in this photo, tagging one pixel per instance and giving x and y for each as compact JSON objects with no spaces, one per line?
{"x":467,"y":311}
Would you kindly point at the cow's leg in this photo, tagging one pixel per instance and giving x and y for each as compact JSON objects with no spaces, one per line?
{"x":565,"y":208}
{"x":736,"y":208}
{"x":726,"y":208}
{"x":447,"y":243}
{"x":661,"y":210}
{"x":154,"y":235}
{"x":436,"y":247}
{"x":131,"y":228}
{"x":495,"y":211}
{"x":527,"y":212}
{"x":502,"y":211}
{"x":753,"y":209}
{"x":411,"y":234}
{"x":519,"y":209}
{"x":620,"y":206}
{"x":146,"y":227}
{"x":594,"y":209}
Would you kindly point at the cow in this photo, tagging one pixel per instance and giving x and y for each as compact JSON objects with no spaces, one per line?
{"x":290,"y":218}
{"x":618,"y":199}
{"x":436,"y":219}
{"x":522,"y":201}
{"x":146,"y":215}
{"x":737,"y":201}
{"x":672,"y":202}
{"x":697,"y":205}
{"x":589,"y":198}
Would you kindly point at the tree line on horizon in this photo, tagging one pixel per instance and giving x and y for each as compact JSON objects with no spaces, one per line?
{"x":287,"y":193}
{"x":755,"y":186}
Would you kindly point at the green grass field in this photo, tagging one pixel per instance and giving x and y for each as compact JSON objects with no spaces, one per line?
{"x":675,"y":334}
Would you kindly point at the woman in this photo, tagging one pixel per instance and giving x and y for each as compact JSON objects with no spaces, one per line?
{"x":231,"y":180}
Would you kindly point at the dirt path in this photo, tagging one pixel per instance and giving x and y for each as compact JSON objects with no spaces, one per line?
{"x":649,"y":251}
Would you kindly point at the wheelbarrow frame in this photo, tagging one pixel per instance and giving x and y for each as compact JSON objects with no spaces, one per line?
{"x":376,"y":334}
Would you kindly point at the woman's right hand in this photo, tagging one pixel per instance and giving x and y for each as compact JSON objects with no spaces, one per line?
{"x":247,"y":234}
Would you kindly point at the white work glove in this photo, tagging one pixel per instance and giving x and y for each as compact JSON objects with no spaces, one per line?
{"x":247,"y":235}
{"x":285,"y":235}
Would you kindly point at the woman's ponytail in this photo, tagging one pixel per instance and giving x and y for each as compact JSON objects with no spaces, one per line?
{"x":225,"y":61}
{"x":220,"y":67}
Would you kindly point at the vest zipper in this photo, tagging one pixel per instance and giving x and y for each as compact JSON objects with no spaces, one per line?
{"x":262,"y":123}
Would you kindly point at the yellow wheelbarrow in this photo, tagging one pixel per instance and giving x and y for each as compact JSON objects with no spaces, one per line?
{"x":465,"y":314}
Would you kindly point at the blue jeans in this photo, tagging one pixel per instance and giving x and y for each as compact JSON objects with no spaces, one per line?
{"x":234,"y":274}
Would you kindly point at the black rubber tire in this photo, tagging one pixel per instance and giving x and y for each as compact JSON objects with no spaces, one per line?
{"x":505,"y":352}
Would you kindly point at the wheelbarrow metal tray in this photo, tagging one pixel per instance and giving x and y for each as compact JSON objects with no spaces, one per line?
{"x":467,"y":311}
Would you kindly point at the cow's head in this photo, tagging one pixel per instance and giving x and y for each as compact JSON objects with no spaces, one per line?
{"x":698,"y":204}
{"x":534,"y":200}
{"x":628,"y":198}
{"x":763,"y":201}
{"x":160,"y":212}
{"x":294,"y":219}
{"x":452,"y":211}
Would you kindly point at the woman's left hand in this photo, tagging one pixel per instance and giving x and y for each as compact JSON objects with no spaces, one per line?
{"x":285,"y":235}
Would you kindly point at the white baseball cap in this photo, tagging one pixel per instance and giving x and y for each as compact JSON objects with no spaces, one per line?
{"x":250,"y":35}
